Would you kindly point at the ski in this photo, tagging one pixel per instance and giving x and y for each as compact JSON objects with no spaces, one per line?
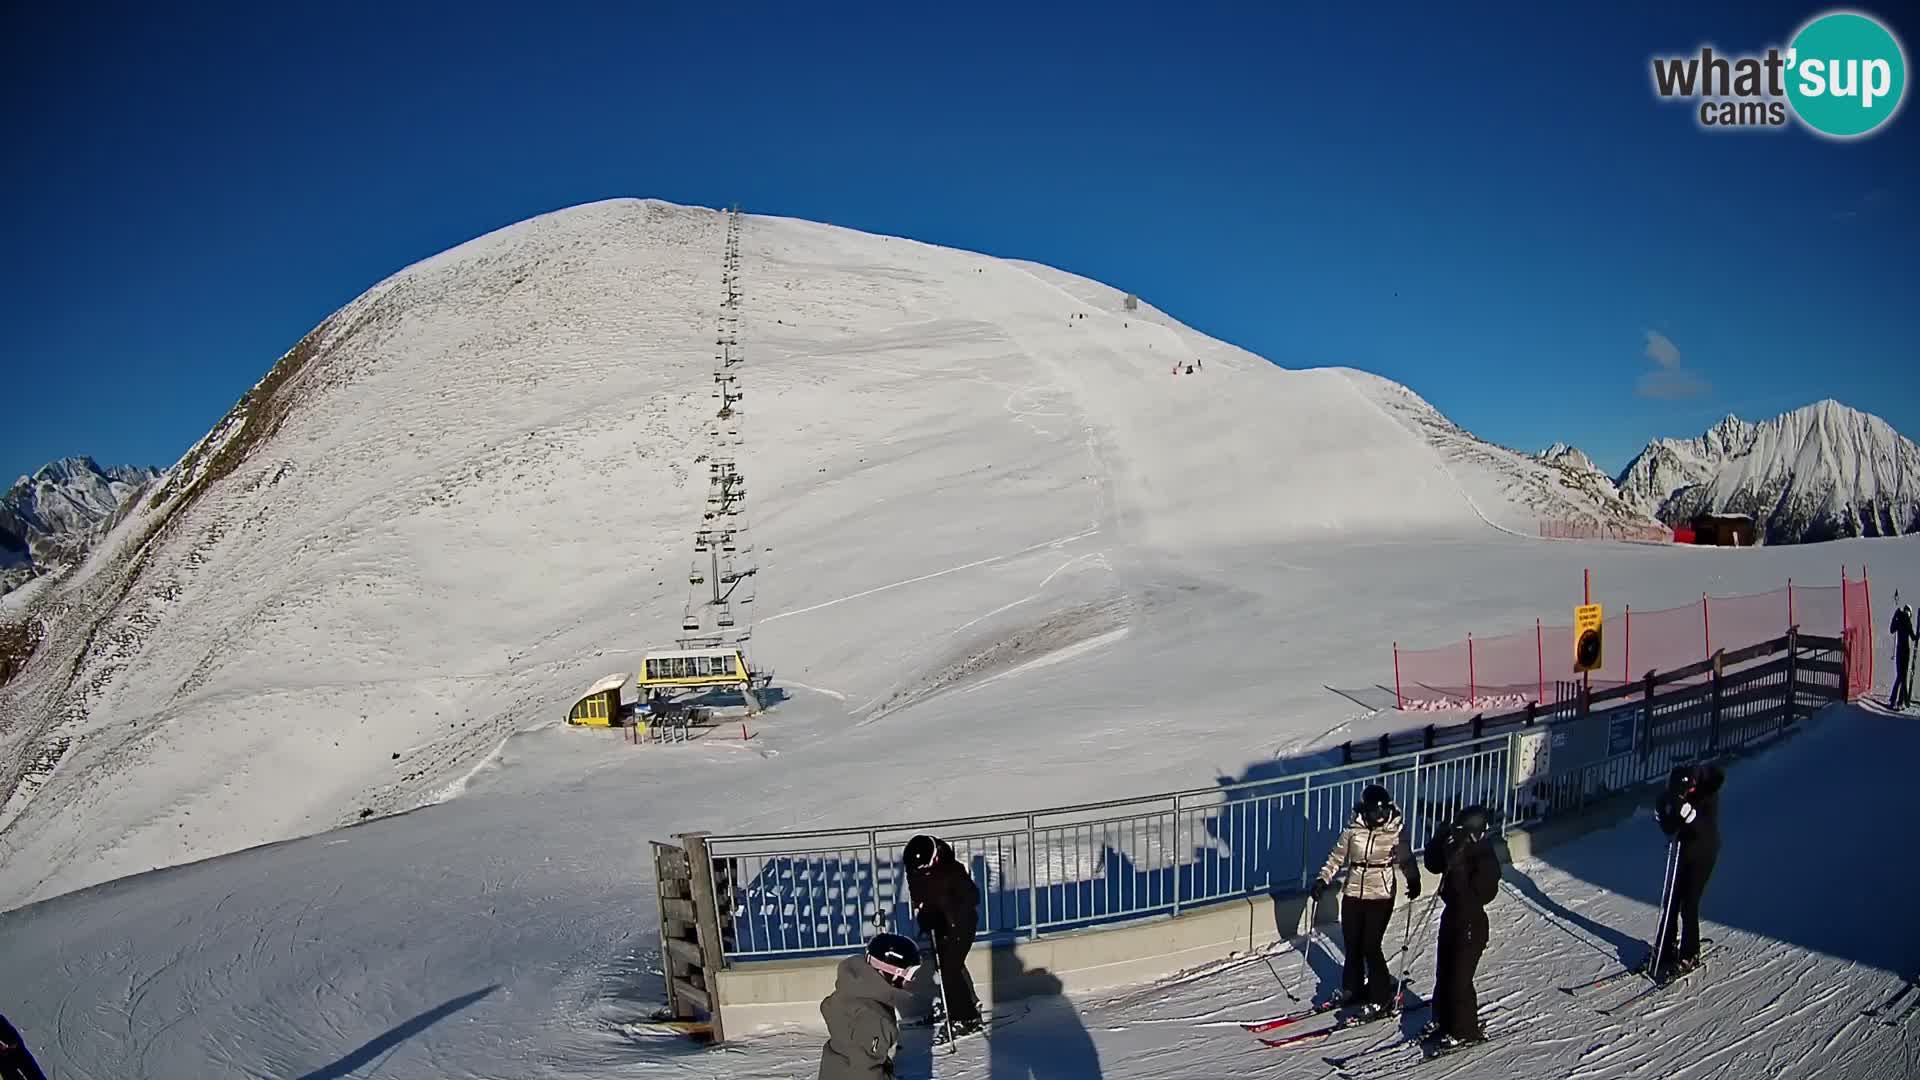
{"x":1345,"y":1060}
{"x":1657,"y":987}
{"x":1278,"y":1022}
{"x":942,"y":1039}
{"x":1430,"y":1052}
{"x":1624,"y":973}
{"x":1345,"y":1023}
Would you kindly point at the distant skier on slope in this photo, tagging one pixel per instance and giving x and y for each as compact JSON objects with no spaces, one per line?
{"x":1369,"y":848}
{"x":1469,"y":880}
{"x":15,"y":1062}
{"x":946,"y":904}
{"x":1689,"y":812}
{"x":1902,"y":629}
{"x":863,"y":1012}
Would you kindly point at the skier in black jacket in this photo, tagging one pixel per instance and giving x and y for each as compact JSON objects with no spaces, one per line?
{"x":15,"y":1062}
{"x":946,"y":904}
{"x":1902,"y":629}
{"x":1469,"y":880}
{"x":1689,"y":812}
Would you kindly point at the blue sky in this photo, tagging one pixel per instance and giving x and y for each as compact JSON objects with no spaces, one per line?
{"x":1494,"y":211}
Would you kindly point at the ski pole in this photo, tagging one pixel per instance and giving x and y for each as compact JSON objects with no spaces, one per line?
{"x":1313,"y":920}
{"x":940,"y":980}
{"x":1666,"y":909}
{"x":1406,"y":944}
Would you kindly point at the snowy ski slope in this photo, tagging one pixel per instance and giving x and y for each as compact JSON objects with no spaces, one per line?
{"x":470,"y":494}
{"x":1006,"y":560}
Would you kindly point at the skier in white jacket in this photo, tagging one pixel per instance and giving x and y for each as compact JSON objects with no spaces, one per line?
{"x":1370,"y":850}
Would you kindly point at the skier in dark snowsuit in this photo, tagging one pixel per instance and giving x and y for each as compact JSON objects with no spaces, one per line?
{"x":15,"y":1062}
{"x":1369,"y":849}
{"x":1689,"y":812}
{"x":863,"y":1012}
{"x":1469,"y":880}
{"x":946,"y":904}
{"x":1902,"y":630}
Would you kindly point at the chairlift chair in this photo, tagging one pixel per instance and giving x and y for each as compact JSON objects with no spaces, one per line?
{"x":726,"y":617}
{"x":690,"y":623}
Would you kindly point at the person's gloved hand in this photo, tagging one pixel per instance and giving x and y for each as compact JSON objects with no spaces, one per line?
{"x":1413,"y":887}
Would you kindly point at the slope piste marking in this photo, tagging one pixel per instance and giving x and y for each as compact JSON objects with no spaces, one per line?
{"x":1057,"y":542}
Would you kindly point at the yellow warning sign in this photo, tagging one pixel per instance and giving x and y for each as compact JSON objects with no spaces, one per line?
{"x":1588,"y":650}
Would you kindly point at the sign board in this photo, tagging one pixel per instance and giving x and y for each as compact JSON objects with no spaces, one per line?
{"x":1589,"y":740}
{"x":1588,"y":650}
{"x":1621,"y":729}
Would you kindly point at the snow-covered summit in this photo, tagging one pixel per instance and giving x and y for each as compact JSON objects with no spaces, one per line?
{"x":1820,"y":471}
{"x":50,"y":518}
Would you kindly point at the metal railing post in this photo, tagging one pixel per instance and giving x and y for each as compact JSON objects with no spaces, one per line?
{"x":1173,"y":853}
{"x":873,"y":874}
{"x":1033,"y":884}
{"x":1413,"y":803}
{"x":1306,"y":828}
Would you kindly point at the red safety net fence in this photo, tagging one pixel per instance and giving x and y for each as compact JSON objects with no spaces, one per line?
{"x":1511,"y":670}
{"x":1607,"y":530}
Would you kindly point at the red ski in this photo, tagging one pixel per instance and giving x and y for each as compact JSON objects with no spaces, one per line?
{"x":1278,"y":1022}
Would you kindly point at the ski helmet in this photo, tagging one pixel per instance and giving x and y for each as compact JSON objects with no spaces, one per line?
{"x":1683,"y":779}
{"x":1472,"y":821}
{"x":894,"y":956}
{"x":1376,"y":806}
{"x":920,"y":852}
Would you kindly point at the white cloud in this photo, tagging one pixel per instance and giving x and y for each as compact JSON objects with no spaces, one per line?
{"x":1669,"y":380}
{"x":1661,"y":350}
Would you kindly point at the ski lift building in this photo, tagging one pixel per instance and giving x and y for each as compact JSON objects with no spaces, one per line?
{"x":600,"y":705}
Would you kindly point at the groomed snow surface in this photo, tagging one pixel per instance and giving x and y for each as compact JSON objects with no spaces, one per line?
{"x":1007,"y":559}
{"x":471,"y":940}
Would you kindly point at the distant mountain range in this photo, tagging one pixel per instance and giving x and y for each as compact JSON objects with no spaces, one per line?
{"x":50,"y":519}
{"x":1820,"y":472}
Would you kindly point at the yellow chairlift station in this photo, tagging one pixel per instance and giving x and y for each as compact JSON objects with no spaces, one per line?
{"x":692,"y":668}
{"x":599,"y":706}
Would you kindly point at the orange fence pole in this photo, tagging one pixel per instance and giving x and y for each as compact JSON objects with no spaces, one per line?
{"x":1866,"y":585}
{"x":1399,"y":699}
{"x":1473,"y":694}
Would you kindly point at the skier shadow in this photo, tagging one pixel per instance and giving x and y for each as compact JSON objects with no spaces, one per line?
{"x":392,"y":1038}
{"x":1628,"y":949}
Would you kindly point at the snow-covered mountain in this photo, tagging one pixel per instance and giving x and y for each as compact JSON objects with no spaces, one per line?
{"x":472,"y":491}
{"x":1570,"y":457}
{"x":51,"y":518}
{"x":1816,"y":473}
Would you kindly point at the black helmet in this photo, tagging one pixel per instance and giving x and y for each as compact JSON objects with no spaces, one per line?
{"x":1683,"y":779}
{"x":1472,"y":821}
{"x":894,"y":956}
{"x":1376,"y":806}
{"x":920,"y":852}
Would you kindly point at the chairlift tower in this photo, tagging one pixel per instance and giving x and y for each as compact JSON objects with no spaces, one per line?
{"x":721,"y":574}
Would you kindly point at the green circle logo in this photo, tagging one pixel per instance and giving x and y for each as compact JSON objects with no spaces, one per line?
{"x":1846,"y":74}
